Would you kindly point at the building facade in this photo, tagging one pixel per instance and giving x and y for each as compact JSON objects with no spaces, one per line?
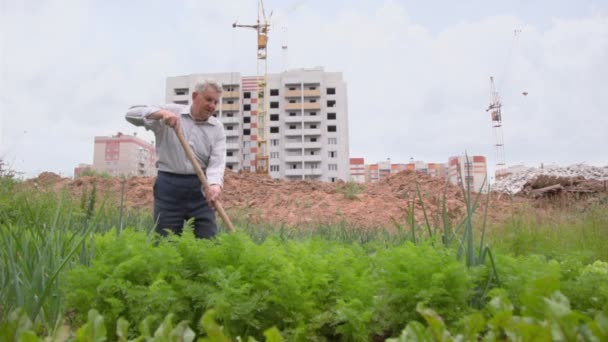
{"x":357,"y":170}
{"x":124,"y":155}
{"x":306,"y":121}
{"x":469,"y":171}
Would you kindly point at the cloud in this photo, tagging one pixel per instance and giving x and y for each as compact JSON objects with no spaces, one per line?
{"x":71,"y":68}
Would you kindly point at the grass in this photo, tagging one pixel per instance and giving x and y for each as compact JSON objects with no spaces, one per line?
{"x":555,"y":232}
{"x":43,"y":234}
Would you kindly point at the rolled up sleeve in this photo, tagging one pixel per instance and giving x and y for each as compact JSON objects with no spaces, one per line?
{"x":217,"y":159}
{"x":138,"y":116}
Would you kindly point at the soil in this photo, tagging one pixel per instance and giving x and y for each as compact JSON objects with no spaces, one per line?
{"x":260,"y":198}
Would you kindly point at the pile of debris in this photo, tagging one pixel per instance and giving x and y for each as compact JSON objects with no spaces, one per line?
{"x":539,"y":182}
{"x":259,"y":198}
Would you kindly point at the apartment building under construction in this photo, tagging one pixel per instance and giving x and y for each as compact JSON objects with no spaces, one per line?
{"x":305,"y":121}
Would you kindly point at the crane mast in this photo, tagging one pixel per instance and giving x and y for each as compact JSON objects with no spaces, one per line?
{"x":495,"y":108}
{"x":262,"y":27}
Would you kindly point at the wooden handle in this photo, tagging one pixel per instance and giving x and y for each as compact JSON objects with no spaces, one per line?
{"x":202,"y":178}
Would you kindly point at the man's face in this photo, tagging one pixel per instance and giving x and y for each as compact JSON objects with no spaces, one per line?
{"x":203,"y":103}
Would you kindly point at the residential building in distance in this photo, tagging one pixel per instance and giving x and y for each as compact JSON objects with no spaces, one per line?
{"x":124,"y":155}
{"x":306,"y":120}
{"x":383,"y":169}
{"x":469,"y":171}
{"x":357,"y":170}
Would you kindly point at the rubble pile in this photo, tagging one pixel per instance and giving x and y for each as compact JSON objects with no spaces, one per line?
{"x":259,"y":198}
{"x":574,"y":177}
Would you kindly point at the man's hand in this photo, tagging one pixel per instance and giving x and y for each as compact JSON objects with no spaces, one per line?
{"x":167,"y":117}
{"x":214,"y":193}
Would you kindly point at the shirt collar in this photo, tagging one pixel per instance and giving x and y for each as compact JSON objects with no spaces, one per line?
{"x":212,"y":120}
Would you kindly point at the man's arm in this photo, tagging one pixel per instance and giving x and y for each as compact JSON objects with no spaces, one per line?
{"x":217,"y":164}
{"x":151,"y":117}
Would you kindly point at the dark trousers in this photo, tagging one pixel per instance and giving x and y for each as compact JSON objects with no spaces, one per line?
{"x":178,"y":198}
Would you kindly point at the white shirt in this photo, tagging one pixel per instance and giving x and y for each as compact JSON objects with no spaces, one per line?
{"x":207,"y":140}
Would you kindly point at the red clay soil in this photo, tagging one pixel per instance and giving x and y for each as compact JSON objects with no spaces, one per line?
{"x":305,"y":203}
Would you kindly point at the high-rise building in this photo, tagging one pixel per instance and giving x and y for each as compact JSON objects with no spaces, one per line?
{"x":306,"y":116}
{"x":469,"y":171}
{"x":124,"y":155}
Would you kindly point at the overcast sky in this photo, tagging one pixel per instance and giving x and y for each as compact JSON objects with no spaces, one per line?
{"x":417,"y":72}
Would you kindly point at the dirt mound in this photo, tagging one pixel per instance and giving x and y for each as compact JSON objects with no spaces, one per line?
{"x":260,"y":198}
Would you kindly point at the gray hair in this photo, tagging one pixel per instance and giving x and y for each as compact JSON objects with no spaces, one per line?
{"x":202,"y":85}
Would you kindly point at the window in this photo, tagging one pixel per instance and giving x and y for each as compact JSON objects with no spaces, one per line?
{"x":274,"y":129}
{"x":292,"y":126}
{"x":292,"y":101}
{"x":292,"y":114}
{"x":229,"y":115}
{"x":331,"y":91}
{"x":313,"y":139}
{"x":332,"y":141}
{"x":274,"y":142}
{"x":292,"y":88}
{"x":229,"y":128}
{"x":184,"y":102}
{"x":274,"y":117}
{"x":333,"y":179}
{"x":247,"y":107}
{"x":331,"y":128}
{"x":181,"y":91}
{"x":247,"y":95}
{"x":313,"y":101}
{"x":247,"y":119}
{"x":312,"y":88}
{"x":313,"y":113}
{"x":333,"y":154}
{"x":331,"y":103}
{"x":230,"y":102}
{"x":274,"y":168}
{"x":313,"y":126}
{"x":274,"y":155}
{"x":246,"y":131}
{"x":332,"y":167}
{"x":274,"y":105}
{"x":274,"y":92}
{"x":229,"y":153}
{"x":331,"y":116}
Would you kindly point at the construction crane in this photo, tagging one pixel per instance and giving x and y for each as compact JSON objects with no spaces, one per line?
{"x":495,"y":112}
{"x":262,"y":27}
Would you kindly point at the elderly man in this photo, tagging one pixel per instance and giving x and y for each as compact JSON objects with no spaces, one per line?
{"x":177,"y":190}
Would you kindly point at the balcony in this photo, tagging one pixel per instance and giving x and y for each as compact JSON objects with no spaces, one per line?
{"x":299,"y":93}
{"x":233,"y":146}
{"x":294,"y":145}
{"x":293,"y":132}
{"x":232,"y":159}
{"x":230,"y":107}
{"x":305,"y":106}
{"x":312,"y":93}
{"x":293,"y":93}
{"x":312,"y":158}
{"x":312,"y":172}
{"x":312,"y":131}
{"x":230,"y":94}
{"x":294,"y":172}
{"x":310,"y":144}
{"x":293,"y":119}
{"x":232,"y":132}
{"x":230,"y":120}
{"x":293,"y":159}
{"x":312,"y":118}
{"x":183,"y":97}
